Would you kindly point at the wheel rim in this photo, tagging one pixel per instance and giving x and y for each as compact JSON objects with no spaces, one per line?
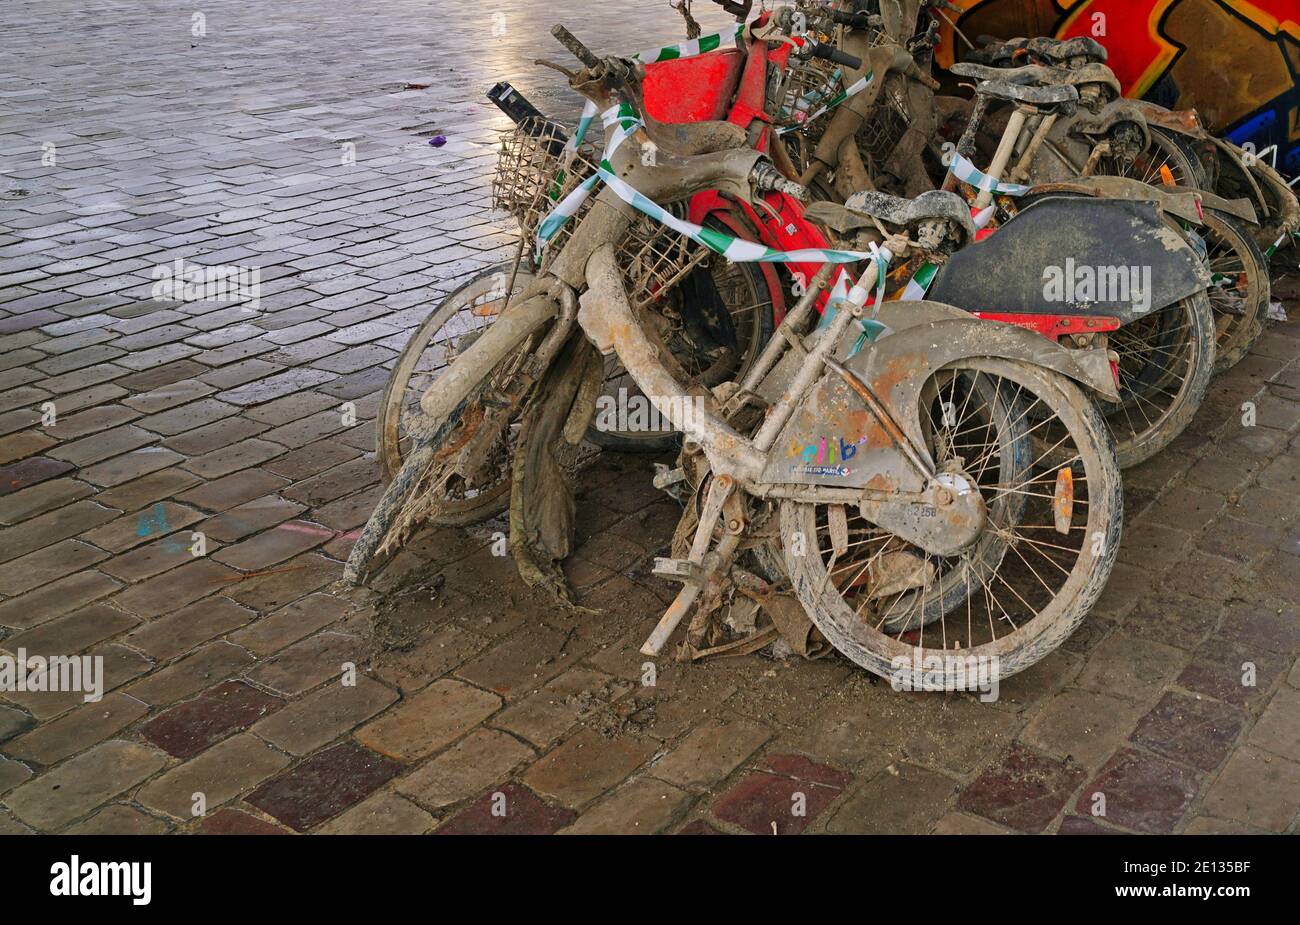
{"x":1234,"y":295}
{"x":1156,"y":362}
{"x":465,"y":313}
{"x":1017,"y":592}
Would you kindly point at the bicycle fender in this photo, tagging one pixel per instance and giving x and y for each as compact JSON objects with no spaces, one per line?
{"x":1133,"y":262}
{"x":833,"y":439}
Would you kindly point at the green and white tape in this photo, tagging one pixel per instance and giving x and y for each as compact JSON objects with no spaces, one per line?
{"x":971,"y":175}
{"x":621,"y":122}
{"x":702,"y":45}
{"x":858,"y":86}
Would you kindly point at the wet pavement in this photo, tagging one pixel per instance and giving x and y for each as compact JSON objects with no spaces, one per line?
{"x":294,"y":138}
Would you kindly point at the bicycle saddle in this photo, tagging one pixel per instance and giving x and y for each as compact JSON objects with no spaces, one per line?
{"x":1059,"y":96}
{"x":1029,"y":74}
{"x":1061,"y":51}
{"x":860,"y":208}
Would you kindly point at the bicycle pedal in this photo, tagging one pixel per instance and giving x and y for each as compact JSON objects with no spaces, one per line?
{"x":677,"y":569}
{"x":665,"y":476}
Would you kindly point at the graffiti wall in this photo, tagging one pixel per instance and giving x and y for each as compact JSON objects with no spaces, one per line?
{"x":1234,"y":61}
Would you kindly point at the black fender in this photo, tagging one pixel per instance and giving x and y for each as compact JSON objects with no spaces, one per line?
{"x":1014,"y":269}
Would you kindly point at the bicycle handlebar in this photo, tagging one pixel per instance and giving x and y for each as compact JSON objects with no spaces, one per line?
{"x":831,"y":53}
{"x":579,"y":50}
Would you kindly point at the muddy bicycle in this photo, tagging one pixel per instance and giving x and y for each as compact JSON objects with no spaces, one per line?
{"x":937,"y":513}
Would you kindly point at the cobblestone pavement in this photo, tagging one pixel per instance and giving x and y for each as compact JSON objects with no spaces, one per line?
{"x":223,"y":671}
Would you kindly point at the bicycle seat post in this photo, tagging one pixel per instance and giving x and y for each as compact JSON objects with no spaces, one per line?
{"x":1001,"y":157}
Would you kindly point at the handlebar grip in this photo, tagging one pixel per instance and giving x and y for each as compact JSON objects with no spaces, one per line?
{"x":852,"y":20}
{"x":831,"y":53}
{"x":579,"y":50}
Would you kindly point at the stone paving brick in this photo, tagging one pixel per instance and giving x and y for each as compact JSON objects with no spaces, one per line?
{"x":291,"y":623}
{"x":306,"y":664}
{"x":1134,"y":669}
{"x":26,"y":443}
{"x":121,"y":665}
{"x":156,"y":486}
{"x":13,"y":723}
{"x":20,"y":505}
{"x":161,"y":555}
{"x":1256,"y":788}
{"x":180,"y":632}
{"x":324,"y":785}
{"x":56,"y":598}
{"x":47,"y":565}
{"x":1023,"y":790}
{"x":130,"y":530}
{"x":273,"y":546}
{"x":12,"y":773}
{"x":234,"y":822}
{"x":50,"y":528}
{"x":783,"y":798}
{"x":710,"y":753}
{"x":129,"y":466}
{"x":643,"y":807}
{"x":554,"y":709}
{"x":430,"y":720}
{"x":210,"y":664}
{"x":1193,"y":730}
{"x":188,"y":728}
{"x":233,"y":490}
{"x":73,"y":789}
{"x":510,"y":810}
{"x":172,"y":590}
{"x":221,"y":773}
{"x":77,"y":730}
{"x":73,"y":633}
{"x":104,"y":445}
{"x":479,"y":760}
{"x":233,"y":458}
{"x":585,"y":766}
{"x":285,"y":583}
{"x":120,"y":819}
{"x":904,"y":799}
{"x":322,"y":716}
{"x":1082,"y":726}
{"x":381,"y":814}
{"x":1278,"y":729}
{"x":1142,"y":792}
{"x":250,"y":517}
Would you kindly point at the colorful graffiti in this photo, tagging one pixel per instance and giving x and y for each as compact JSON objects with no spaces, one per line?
{"x":1237,"y":62}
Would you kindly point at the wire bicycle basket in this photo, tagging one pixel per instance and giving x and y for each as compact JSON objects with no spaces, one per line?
{"x":532,"y":178}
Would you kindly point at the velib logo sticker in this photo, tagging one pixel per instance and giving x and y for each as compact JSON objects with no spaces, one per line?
{"x":103,"y":878}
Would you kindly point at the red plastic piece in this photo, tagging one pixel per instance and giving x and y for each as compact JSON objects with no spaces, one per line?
{"x":696,"y":89}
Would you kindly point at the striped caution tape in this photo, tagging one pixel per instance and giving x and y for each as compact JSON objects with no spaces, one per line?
{"x":703,"y":44}
{"x":971,"y":175}
{"x":621,"y":122}
{"x":857,"y":87}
